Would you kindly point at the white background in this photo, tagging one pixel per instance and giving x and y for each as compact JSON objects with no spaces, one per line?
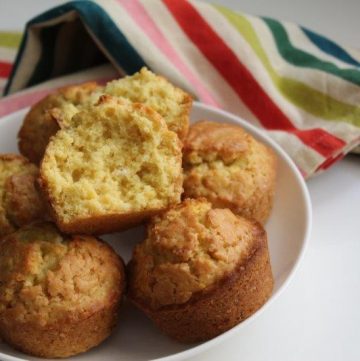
{"x":318,"y":315}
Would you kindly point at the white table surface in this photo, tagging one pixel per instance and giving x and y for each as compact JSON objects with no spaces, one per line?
{"x":318,"y":316}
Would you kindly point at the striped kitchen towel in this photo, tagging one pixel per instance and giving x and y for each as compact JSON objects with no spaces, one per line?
{"x":302,"y":88}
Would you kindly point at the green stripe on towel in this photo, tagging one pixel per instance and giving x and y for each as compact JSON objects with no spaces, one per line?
{"x":301,"y":58}
{"x":10,"y":39}
{"x":298,"y":93}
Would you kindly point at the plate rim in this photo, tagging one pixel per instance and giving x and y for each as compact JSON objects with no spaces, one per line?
{"x":261,"y":134}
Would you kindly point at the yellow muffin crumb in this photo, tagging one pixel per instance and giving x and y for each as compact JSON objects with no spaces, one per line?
{"x":47,"y":116}
{"x":172,"y":103}
{"x":116,"y":164}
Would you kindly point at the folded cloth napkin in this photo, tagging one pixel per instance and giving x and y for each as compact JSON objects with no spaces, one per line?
{"x":300,"y":87}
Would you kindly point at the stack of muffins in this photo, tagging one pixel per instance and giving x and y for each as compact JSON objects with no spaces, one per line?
{"x":101,"y":159}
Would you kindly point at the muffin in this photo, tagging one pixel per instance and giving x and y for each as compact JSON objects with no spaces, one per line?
{"x":200,"y":271}
{"x":230,"y":168}
{"x":116,"y":165}
{"x":59,"y":295}
{"x":172,"y":103}
{"x":20,"y":201}
{"x":47,"y":116}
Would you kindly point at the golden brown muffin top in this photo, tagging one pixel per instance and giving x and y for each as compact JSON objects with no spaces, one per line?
{"x":188,"y":249}
{"x":46,"y":277}
{"x":145,"y":87}
{"x":227,"y":166}
{"x":210,"y":141}
{"x":19,"y":201}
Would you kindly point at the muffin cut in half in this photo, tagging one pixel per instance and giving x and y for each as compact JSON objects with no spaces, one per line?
{"x":230,"y":168}
{"x":172,"y":103}
{"x":47,"y":116}
{"x":20,"y":201}
{"x":116,"y":165}
{"x":200,"y":271}
{"x":59,"y":296}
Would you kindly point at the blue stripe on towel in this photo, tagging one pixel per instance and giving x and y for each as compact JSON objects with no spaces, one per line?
{"x":330,"y":47}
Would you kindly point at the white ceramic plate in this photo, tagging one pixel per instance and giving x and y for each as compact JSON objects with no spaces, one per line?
{"x":136,"y":339}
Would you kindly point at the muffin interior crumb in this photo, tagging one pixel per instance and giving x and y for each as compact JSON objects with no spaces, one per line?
{"x":122,"y":158}
{"x":155,"y":91}
{"x":51,"y":113}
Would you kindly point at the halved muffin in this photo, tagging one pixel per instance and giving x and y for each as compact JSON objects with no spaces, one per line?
{"x":116,"y":165}
{"x":145,"y":87}
{"x":44,"y":117}
{"x":200,"y":271}
{"x":20,"y":201}
{"x":230,"y":168}
{"x":59,"y":295}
